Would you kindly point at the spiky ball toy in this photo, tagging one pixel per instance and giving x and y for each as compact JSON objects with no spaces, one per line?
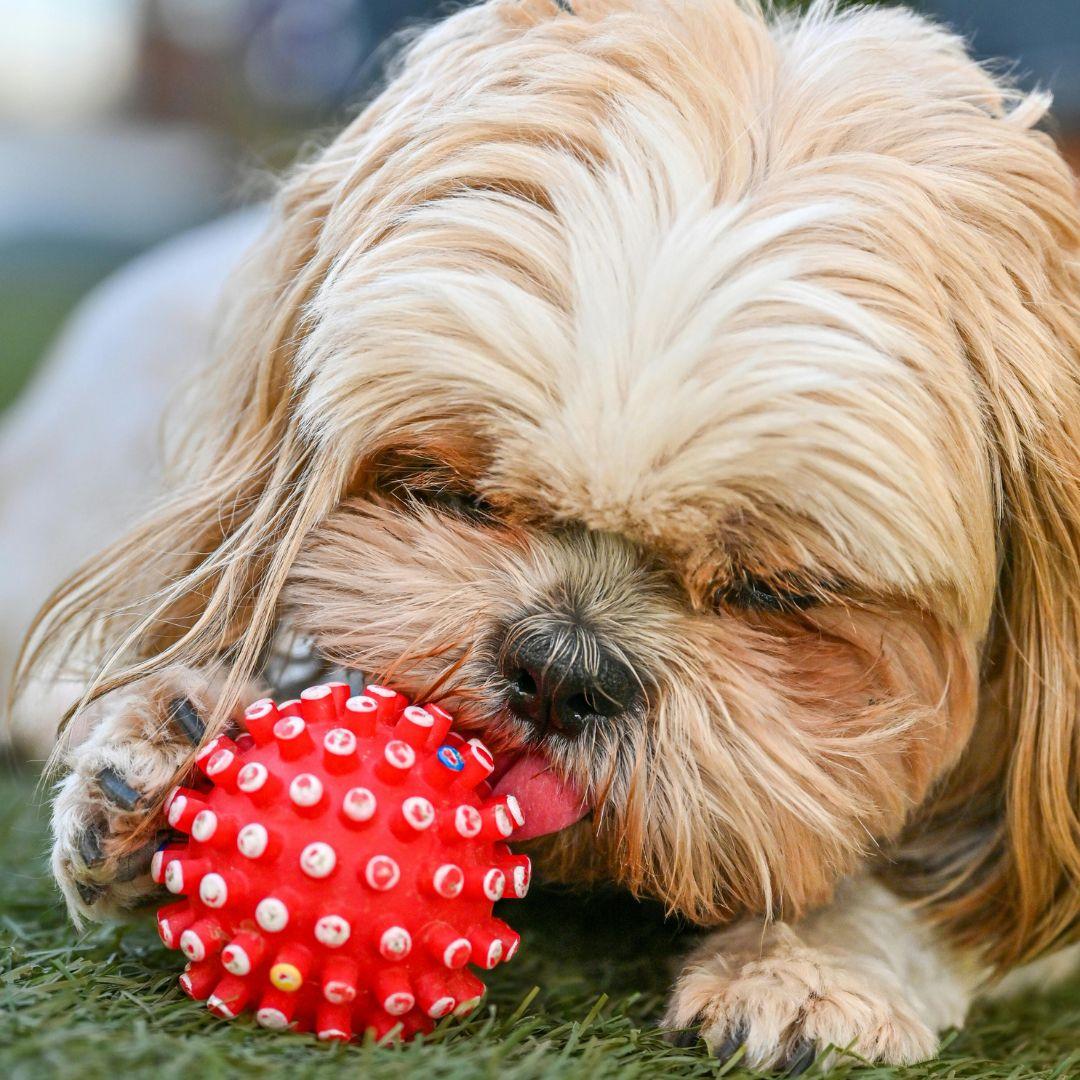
{"x":342,"y":859}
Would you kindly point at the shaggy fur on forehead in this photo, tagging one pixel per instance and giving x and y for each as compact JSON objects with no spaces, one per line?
{"x":686,"y":291}
{"x":657,"y":291}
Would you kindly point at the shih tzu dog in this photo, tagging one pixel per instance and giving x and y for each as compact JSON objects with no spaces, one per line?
{"x":689,"y":396}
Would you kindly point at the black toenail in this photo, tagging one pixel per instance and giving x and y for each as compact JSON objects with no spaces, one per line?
{"x":117,"y":790}
{"x":88,"y":893}
{"x":687,"y":1038}
{"x":90,"y":848}
{"x":137,"y":862}
{"x":185,"y":716}
{"x":730,"y":1046}
{"x":800,"y":1058}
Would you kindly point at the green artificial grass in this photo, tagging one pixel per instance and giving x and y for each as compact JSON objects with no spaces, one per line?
{"x":579,"y":1000}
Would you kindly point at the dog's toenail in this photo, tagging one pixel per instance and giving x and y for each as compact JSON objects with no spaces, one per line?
{"x":88,"y":893}
{"x":90,"y":848}
{"x":137,"y":862}
{"x":184,"y":715}
{"x":117,"y":790}
{"x":686,"y":1039}
{"x":730,"y":1046}
{"x":800,"y":1058}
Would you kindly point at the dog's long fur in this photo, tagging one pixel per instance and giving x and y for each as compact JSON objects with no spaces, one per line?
{"x":687,"y":295}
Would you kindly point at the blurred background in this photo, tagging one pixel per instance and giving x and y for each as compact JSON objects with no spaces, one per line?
{"x":123,"y":122}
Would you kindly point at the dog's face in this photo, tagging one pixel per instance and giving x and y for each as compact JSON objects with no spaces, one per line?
{"x":673,"y":477}
{"x":691,"y":400}
{"x":742,"y":722}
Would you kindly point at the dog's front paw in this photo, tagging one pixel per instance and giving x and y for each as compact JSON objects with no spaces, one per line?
{"x":135,"y":746}
{"x":788,"y":1005}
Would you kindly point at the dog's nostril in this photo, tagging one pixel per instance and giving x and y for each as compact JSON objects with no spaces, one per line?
{"x":525,"y":684}
{"x":580,"y":705}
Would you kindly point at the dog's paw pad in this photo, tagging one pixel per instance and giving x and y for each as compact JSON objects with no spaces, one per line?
{"x":731,"y":1043}
{"x":685,"y":1038}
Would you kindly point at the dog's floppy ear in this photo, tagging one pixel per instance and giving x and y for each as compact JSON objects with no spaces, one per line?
{"x":200,"y":576}
{"x":1000,"y":848}
{"x":1030,"y":890}
{"x":180,"y":586}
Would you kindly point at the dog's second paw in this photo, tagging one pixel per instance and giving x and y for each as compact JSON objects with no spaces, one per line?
{"x":136,"y":745}
{"x":790,"y":1005}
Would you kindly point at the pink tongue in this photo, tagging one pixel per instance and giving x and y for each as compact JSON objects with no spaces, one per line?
{"x":547,"y":803}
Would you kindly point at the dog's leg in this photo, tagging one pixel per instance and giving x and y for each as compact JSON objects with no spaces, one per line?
{"x":863,"y":974}
{"x":120,"y":756}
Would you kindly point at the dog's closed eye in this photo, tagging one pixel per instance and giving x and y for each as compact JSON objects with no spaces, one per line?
{"x":748,"y":592}
{"x":454,"y":500}
{"x":414,"y":481}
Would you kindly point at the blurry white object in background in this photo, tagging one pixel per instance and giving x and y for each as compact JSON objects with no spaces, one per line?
{"x":80,"y":456}
{"x":66,"y":61}
{"x":122,"y":184}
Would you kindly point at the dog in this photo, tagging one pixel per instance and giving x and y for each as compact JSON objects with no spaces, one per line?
{"x":686,"y":394}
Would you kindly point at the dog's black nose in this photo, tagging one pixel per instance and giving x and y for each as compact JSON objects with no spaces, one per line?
{"x":562,"y":684}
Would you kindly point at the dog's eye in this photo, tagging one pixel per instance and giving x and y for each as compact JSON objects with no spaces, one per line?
{"x":755,"y":594}
{"x":413,"y":480}
{"x":453,"y":500}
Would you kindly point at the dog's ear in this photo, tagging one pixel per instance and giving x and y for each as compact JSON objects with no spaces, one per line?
{"x":200,"y":576}
{"x":1000,"y":848}
{"x":1030,"y":890}
{"x":180,"y":586}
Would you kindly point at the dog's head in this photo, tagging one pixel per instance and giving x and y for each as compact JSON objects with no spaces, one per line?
{"x":691,"y":401}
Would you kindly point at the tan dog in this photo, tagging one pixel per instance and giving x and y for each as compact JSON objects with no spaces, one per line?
{"x":691,"y":398}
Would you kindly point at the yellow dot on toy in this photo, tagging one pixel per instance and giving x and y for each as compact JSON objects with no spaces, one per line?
{"x":286,"y":977}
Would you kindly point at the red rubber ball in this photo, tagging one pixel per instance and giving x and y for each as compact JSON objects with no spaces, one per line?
{"x":341,"y":863}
